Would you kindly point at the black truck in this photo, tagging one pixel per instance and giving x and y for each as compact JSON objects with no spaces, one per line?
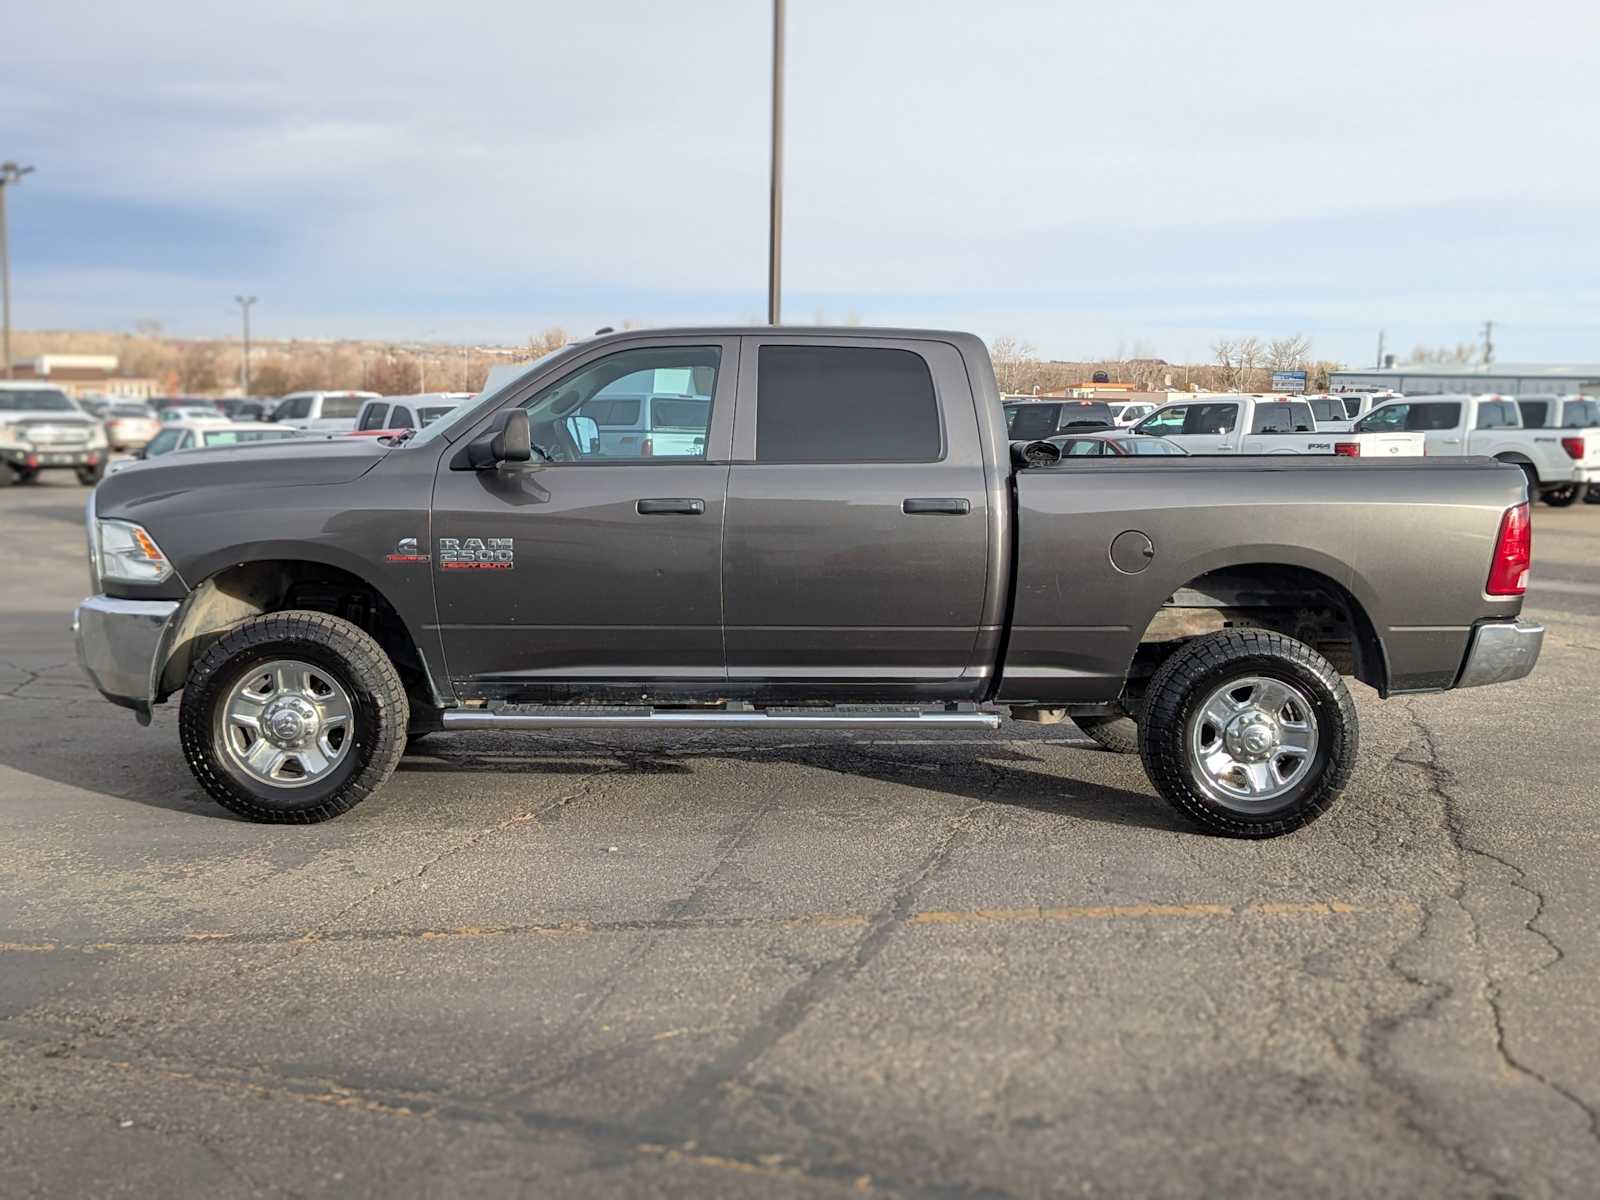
{"x":817,"y":528}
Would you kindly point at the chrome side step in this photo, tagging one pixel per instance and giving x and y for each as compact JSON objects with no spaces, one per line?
{"x":516,"y":717}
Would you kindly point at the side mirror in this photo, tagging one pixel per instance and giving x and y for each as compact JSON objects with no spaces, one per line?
{"x":510,"y":439}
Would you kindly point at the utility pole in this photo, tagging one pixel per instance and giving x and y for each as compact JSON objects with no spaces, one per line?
{"x":1488,"y":343}
{"x":1380,"y":349}
{"x":775,"y":215}
{"x":244,"y":303}
{"x":10,"y":173}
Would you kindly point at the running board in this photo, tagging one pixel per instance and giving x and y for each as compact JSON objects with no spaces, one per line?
{"x":516,"y":717}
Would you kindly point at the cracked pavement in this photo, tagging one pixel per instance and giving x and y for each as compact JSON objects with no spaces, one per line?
{"x":768,"y":964}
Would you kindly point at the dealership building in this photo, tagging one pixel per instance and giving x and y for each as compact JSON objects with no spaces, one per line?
{"x":1506,"y":379}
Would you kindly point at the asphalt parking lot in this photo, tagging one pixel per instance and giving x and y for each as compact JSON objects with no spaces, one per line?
{"x":798,"y":964}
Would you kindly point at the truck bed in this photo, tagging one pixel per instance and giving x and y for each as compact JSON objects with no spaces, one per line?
{"x":1078,"y":618}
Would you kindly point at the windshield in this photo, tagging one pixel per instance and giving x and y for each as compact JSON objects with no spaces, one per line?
{"x":31,"y":400}
{"x":129,"y":410}
{"x":469,"y":410}
{"x":231,"y":437}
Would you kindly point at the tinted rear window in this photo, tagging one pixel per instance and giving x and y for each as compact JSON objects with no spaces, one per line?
{"x":1331,"y":409}
{"x":845,"y":404}
{"x":1535,"y":413}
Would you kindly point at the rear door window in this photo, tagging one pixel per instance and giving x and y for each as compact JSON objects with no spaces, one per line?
{"x":1279,"y":417}
{"x":1211,"y":418}
{"x":1581,"y":414}
{"x":375,"y":416}
{"x":845,"y":404}
{"x":401,"y":418}
{"x":1168,"y":420}
{"x":1497,"y":414}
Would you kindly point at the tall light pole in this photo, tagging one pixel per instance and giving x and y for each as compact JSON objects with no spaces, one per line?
{"x":244,"y":303}
{"x":775,"y":216}
{"x":10,"y":173}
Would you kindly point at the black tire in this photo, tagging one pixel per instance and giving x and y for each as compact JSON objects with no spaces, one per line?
{"x":1116,"y":733}
{"x":1592,"y":496}
{"x":1562,"y":497}
{"x":1199,"y":670}
{"x":333,"y":646}
{"x":26,"y":474}
{"x":89,"y":476}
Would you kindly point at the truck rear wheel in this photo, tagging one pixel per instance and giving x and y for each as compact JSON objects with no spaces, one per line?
{"x":293,"y":717}
{"x":1561,"y":497}
{"x":1249,"y":733}
{"x":1116,"y":733}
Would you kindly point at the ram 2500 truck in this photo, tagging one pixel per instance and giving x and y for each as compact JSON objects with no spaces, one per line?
{"x":850,"y":542}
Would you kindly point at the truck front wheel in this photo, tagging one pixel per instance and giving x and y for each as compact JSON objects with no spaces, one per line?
{"x":293,"y":717}
{"x":1249,"y":733}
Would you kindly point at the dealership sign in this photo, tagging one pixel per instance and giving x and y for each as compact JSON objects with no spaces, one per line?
{"x":1289,"y":381}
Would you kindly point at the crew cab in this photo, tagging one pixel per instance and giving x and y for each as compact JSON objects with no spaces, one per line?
{"x":394,"y":414}
{"x":850,"y":543}
{"x":41,"y":429}
{"x":1246,"y":424}
{"x":1337,"y":412}
{"x":1559,"y":463}
{"x":1030,"y":418}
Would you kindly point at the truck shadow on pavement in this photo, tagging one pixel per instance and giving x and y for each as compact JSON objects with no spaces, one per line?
{"x":997,"y":773}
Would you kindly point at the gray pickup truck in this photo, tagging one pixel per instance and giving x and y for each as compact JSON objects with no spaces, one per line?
{"x":818,"y":529}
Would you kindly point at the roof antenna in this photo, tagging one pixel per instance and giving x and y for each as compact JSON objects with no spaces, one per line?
{"x":603,"y":329}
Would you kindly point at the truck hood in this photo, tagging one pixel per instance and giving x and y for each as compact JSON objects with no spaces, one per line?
{"x":291,"y":462}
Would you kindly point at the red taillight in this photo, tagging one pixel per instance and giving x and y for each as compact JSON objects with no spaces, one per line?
{"x":1347,"y":449}
{"x":1513,"y":554}
{"x":1573,"y":446}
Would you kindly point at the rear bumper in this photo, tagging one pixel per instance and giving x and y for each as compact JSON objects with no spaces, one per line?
{"x":118,"y":643}
{"x":1501,"y":651}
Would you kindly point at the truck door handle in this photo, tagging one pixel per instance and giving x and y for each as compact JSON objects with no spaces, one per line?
{"x":682,"y":505}
{"x":955,"y":506}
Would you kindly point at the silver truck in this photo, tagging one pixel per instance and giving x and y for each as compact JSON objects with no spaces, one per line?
{"x":849,"y":542}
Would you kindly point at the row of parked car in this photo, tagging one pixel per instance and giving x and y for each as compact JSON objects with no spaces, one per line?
{"x":43,"y":429}
{"x":1554,"y":439}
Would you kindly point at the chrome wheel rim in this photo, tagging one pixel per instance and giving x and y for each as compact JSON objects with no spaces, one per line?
{"x":1252,"y":740}
{"x":286,"y":724}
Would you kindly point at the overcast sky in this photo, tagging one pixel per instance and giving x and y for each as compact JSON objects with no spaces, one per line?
{"x":1081,"y":175}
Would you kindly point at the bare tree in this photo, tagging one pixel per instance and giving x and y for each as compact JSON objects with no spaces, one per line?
{"x":1459,"y":354}
{"x":1016,"y":363}
{"x":551,"y":339}
{"x":1288,"y":353}
{"x":1238,"y":362}
{"x":197,"y":368}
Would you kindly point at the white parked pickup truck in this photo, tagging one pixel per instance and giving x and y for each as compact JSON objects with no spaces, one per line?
{"x":1243,"y":424}
{"x":1579,"y":416}
{"x":1559,"y":463}
{"x":1337,"y":412}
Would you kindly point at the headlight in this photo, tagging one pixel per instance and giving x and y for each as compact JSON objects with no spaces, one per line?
{"x":129,"y":554}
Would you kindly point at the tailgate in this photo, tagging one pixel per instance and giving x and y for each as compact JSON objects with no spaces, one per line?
{"x":1383,"y":445}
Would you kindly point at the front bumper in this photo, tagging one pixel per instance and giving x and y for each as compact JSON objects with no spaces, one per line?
{"x":1501,"y":651}
{"x":120,"y":647}
{"x":38,"y":460}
